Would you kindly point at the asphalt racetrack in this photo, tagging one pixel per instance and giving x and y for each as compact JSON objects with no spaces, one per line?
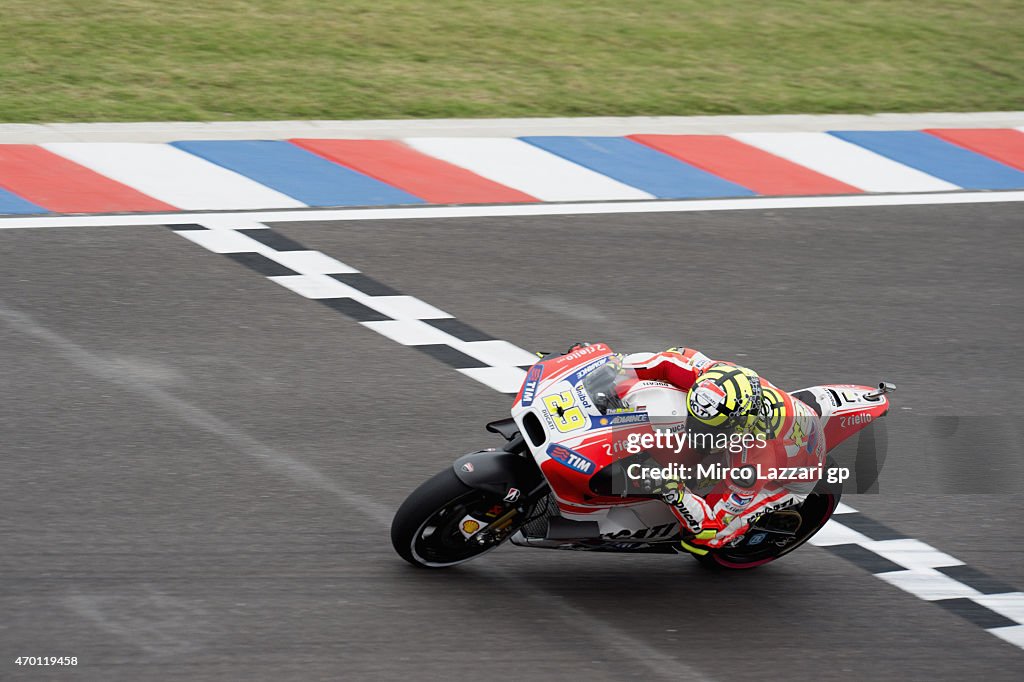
{"x":200,"y":466}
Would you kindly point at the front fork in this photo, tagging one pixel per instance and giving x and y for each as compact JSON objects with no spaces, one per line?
{"x":508,"y":473}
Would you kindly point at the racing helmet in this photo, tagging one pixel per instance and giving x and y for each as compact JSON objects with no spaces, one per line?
{"x":726,"y":397}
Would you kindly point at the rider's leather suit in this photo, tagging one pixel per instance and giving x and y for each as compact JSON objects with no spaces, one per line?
{"x":793,"y":440}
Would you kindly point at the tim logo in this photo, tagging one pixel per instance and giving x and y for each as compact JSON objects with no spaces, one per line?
{"x":571,"y":459}
{"x":530,"y":385}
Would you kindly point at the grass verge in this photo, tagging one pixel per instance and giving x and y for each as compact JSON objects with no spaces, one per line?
{"x":146,"y":60}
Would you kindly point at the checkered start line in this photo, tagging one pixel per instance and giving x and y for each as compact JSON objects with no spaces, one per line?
{"x":906,"y":563}
{"x":404,"y":319}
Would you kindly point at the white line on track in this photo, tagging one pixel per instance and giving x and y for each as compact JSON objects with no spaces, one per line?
{"x":235,"y":218}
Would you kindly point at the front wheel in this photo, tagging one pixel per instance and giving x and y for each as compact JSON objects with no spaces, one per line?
{"x":445,"y":522}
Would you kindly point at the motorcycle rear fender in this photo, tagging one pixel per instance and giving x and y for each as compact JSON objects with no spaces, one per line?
{"x":497,"y":471}
{"x":846,"y":408}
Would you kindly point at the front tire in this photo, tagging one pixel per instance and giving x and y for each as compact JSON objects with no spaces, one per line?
{"x":425,"y":531}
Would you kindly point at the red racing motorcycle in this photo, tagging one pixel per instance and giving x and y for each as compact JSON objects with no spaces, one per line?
{"x":564,"y":477}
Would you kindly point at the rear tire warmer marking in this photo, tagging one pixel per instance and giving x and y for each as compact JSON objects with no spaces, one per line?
{"x":502,"y":368}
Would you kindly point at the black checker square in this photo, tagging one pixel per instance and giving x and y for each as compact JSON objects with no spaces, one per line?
{"x":366,"y":284}
{"x":982,"y":616}
{"x":261,"y":264}
{"x":274,"y":240}
{"x":865,"y":558}
{"x":450,"y":356}
{"x":354,"y":309}
{"x":459,"y":329}
{"x":869,"y":527}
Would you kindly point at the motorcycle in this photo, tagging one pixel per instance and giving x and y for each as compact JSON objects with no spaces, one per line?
{"x":563,"y":478}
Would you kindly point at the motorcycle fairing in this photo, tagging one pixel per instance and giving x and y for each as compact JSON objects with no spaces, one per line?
{"x":577,"y":440}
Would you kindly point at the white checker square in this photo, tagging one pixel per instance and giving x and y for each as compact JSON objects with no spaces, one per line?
{"x":911,"y":553}
{"x":835,"y":533}
{"x":310,"y":262}
{"x":225,"y":241}
{"x":1014,"y":634}
{"x":497,"y":353}
{"x":1010,"y":604}
{"x":404,"y":307}
{"x":928,"y":584}
{"x":316,"y":286}
{"x":410,"y":332}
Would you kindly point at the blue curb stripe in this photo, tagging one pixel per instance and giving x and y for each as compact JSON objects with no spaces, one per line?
{"x":640,"y":166}
{"x":302,"y":175}
{"x":936,"y":157}
{"x":12,"y":203}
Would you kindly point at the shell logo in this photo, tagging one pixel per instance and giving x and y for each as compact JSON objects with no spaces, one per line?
{"x":470,"y":526}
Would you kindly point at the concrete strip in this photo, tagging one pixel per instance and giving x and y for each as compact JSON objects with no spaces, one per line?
{"x":32,"y":133}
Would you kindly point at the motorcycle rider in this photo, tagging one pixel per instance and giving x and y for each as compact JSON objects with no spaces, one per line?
{"x":724,"y":398}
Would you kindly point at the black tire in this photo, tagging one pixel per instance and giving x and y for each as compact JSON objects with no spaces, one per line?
{"x":425,"y":530}
{"x":817,"y":509}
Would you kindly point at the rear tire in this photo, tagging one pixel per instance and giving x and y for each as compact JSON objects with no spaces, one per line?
{"x":817,"y":509}
{"x":425,"y":529}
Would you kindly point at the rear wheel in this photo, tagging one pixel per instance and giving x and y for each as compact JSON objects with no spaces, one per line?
{"x":430,"y":528}
{"x":779,"y":533}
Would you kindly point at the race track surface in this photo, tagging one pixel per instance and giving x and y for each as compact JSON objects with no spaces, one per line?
{"x":200,"y":466}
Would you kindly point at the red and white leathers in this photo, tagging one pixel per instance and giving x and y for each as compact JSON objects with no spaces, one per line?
{"x":792,"y":439}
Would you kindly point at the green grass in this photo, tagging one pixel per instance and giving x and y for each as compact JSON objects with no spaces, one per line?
{"x":140,"y":60}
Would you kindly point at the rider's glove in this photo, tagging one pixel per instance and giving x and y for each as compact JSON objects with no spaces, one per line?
{"x":710,"y":538}
{"x":734,"y":527}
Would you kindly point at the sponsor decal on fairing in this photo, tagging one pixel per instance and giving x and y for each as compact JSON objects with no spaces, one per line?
{"x":856,"y":419}
{"x":570,"y":458}
{"x":628,"y":419}
{"x":585,"y":370}
{"x":530,"y":385}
